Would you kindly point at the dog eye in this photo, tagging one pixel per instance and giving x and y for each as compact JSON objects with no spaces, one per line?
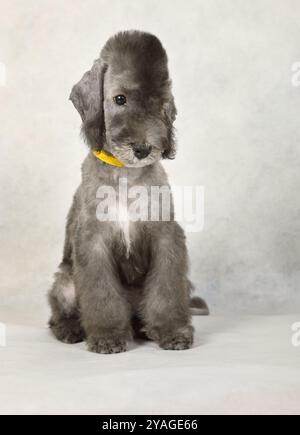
{"x":120,"y":100}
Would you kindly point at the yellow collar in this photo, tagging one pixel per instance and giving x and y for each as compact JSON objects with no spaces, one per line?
{"x":109,"y":159}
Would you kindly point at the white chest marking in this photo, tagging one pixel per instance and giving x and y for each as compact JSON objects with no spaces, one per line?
{"x":125,"y":225}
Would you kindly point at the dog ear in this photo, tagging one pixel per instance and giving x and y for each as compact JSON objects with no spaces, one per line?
{"x":170,"y":113}
{"x":87,"y":97}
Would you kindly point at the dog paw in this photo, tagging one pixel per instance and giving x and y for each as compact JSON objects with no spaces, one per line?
{"x":181,"y":340}
{"x":68,"y":331}
{"x":106,"y":345}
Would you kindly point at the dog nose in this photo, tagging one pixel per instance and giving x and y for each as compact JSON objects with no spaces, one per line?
{"x":141,"y":151}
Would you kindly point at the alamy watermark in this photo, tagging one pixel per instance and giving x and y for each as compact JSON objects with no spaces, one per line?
{"x":2,"y":335}
{"x":296,"y":74}
{"x":2,"y":74}
{"x":296,"y":334}
{"x":152,"y":204}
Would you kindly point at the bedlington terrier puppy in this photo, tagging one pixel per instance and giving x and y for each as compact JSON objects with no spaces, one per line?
{"x":124,"y":277}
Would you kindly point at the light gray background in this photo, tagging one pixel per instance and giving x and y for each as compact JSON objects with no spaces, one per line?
{"x":238,"y":135}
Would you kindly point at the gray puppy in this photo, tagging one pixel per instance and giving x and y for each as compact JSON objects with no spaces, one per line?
{"x":123,"y":277}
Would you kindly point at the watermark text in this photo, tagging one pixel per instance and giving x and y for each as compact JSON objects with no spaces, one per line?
{"x":296,"y":74}
{"x":296,"y":334}
{"x":152,"y":204}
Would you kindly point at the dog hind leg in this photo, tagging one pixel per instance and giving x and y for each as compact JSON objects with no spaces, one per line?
{"x":65,"y":320}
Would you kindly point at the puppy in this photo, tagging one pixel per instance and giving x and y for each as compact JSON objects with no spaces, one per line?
{"x":123,"y":276}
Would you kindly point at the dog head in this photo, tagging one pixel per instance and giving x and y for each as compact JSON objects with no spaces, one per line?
{"x":125,"y":100}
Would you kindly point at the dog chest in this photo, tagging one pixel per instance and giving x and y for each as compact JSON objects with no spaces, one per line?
{"x":131,"y":251}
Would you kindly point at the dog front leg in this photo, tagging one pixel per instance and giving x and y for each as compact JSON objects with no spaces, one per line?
{"x":165,"y":308}
{"x":105,"y":313}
